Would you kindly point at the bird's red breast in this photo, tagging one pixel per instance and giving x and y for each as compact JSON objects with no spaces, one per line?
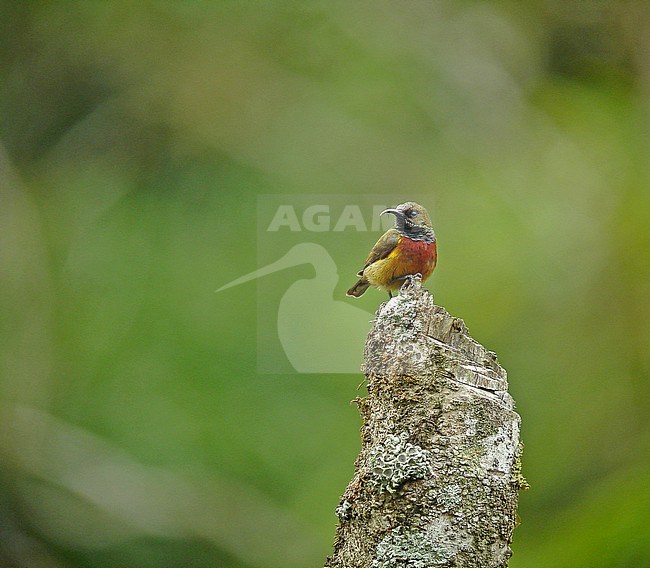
{"x":408,"y":257}
{"x":416,"y":256}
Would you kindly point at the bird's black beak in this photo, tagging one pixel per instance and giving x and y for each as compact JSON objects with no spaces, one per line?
{"x":400,"y":218}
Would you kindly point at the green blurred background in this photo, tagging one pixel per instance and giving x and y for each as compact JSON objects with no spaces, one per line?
{"x":135,"y":138}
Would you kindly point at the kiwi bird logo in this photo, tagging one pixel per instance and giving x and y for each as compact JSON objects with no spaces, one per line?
{"x":407,"y":249}
{"x":318,"y":334}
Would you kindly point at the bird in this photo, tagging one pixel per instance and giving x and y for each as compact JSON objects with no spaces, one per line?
{"x":407,"y":249}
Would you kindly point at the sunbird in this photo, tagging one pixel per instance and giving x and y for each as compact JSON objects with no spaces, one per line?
{"x":407,"y":249}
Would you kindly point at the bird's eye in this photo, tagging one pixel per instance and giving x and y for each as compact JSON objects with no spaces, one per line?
{"x":412,"y":213}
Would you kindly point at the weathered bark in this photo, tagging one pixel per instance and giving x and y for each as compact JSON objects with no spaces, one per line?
{"x":437,"y":479}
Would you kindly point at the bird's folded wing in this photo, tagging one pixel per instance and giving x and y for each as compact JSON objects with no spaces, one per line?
{"x":382,"y":248}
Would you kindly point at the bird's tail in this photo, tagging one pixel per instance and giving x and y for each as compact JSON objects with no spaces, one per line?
{"x":359,"y":288}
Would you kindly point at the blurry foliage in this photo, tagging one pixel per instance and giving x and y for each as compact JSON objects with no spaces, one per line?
{"x":134,"y":138}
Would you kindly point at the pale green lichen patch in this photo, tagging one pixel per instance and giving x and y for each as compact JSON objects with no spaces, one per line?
{"x":499,"y":451}
{"x":401,"y":312}
{"x":449,"y":497}
{"x":395,"y":461}
{"x":518,"y":478}
{"x":421,"y":549}
{"x":343,"y":510}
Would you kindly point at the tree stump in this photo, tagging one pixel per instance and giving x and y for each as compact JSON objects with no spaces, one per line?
{"x":437,"y":479}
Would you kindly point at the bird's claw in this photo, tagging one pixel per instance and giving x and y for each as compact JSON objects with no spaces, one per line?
{"x":411,"y":281}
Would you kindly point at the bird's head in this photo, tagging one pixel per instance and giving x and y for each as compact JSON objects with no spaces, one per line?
{"x":411,"y":218}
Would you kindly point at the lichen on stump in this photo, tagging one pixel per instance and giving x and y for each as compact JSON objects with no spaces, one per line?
{"x":437,"y":479}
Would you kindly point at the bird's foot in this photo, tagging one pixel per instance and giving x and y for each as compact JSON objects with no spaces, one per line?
{"x":411,"y":281}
